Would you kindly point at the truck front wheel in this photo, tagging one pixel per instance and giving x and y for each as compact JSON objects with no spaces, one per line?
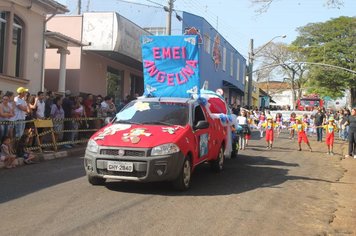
{"x":218,"y":164}
{"x":182,"y":182}
{"x":96,"y":180}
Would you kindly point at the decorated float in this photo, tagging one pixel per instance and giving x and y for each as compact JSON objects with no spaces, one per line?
{"x":171,"y":129}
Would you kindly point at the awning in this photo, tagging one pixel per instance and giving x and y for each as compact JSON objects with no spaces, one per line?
{"x":58,"y":40}
{"x":227,"y":84}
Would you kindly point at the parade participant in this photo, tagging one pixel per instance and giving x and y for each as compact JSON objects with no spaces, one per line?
{"x":242,"y":121}
{"x":300,"y":127}
{"x":330,"y":129}
{"x":262,"y":119}
{"x":351,"y":121}
{"x":279,"y":122}
{"x":250,"y":124}
{"x":292,"y":121}
{"x":269,"y":125}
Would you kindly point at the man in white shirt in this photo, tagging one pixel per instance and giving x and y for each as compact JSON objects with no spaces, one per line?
{"x":40,"y":105}
{"x":107,"y":107}
{"x":20,"y":111}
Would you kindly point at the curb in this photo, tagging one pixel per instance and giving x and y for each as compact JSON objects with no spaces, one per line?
{"x":46,"y":156}
{"x":60,"y":154}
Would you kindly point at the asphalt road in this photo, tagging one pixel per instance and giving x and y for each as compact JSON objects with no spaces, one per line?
{"x":262,"y":192}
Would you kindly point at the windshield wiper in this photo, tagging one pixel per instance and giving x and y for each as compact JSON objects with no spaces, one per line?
{"x":158,"y":123}
{"x":128,"y":122}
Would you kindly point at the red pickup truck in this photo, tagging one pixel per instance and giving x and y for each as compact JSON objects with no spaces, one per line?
{"x":158,"y":139}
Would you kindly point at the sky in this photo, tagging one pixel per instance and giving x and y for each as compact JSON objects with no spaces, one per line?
{"x":236,"y":20}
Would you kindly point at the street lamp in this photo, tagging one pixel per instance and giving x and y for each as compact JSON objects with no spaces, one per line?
{"x":251,"y":56}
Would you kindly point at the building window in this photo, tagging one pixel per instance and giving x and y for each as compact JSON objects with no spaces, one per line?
{"x":238,"y":68}
{"x":207,"y":47}
{"x":16,"y":46}
{"x":231,"y":64}
{"x":2,"y":39}
{"x":224,"y":59}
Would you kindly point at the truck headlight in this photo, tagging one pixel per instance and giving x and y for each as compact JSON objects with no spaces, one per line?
{"x":92,"y":146}
{"x":164,"y":149}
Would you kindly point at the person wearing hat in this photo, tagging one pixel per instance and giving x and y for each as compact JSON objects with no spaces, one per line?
{"x":269,"y":126}
{"x":21,"y":109}
{"x":330,"y":129}
{"x":300,"y":128}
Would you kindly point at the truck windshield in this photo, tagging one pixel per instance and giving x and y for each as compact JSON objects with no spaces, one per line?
{"x":162,"y":113}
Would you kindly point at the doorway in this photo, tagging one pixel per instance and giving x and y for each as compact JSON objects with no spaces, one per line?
{"x":115,"y":84}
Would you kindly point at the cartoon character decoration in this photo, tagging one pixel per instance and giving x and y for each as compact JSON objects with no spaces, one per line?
{"x":170,"y":130}
{"x":193,"y":31}
{"x":111,"y":130}
{"x":134,"y":134}
{"x":216,"y":51}
{"x":203,"y":145}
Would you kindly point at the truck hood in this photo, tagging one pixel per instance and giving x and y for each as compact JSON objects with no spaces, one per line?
{"x":138,"y":136}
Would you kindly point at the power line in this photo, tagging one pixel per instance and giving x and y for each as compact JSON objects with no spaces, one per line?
{"x":137,"y":3}
{"x":159,"y":4}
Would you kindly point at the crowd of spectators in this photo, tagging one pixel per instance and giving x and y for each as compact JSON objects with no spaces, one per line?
{"x":18,"y":110}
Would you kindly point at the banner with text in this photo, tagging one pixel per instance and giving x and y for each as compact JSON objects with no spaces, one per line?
{"x":170,"y":65}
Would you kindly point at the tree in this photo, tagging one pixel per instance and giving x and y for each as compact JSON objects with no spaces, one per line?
{"x":332,"y":42}
{"x":281,"y":60}
{"x":265,"y":4}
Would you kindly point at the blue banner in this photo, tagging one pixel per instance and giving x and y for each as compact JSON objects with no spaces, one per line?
{"x":170,"y":65}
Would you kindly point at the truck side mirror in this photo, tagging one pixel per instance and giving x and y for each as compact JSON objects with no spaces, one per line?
{"x":202,"y":124}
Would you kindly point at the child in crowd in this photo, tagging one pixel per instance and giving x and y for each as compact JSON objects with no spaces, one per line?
{"x":21,"y":150}
{"x":6,"y":156}
{"x":330,"y":129}
{"x":300,"y":127}
{"x":269,"y":126}
{"x":292,"y":121}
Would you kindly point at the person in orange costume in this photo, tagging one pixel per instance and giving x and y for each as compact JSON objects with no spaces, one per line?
{"x":330,"y":129}
{"x":300,"y":127}
{"x":269,"y":125}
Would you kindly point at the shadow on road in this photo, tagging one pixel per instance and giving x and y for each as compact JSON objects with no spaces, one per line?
{"x":240,"y":175}
{"x":16,"y":183}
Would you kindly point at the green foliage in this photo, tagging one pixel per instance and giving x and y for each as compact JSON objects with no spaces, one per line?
{"x":333,"y":43}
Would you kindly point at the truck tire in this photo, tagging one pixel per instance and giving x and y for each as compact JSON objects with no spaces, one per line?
{"x":218,"y":164}
{"x":182,"y":182}
{"x":96,"y":180}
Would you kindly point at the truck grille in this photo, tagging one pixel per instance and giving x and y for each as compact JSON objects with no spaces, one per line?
{"x":115,"y":152}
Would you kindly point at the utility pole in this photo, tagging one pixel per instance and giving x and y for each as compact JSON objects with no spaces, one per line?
{"x":251,"y":56}
{"x":250,"y":69}
{"x":169,"y":17}
{"x":79,"y":7}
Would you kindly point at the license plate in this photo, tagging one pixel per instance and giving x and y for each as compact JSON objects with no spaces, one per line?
{"x":120,"y":166}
